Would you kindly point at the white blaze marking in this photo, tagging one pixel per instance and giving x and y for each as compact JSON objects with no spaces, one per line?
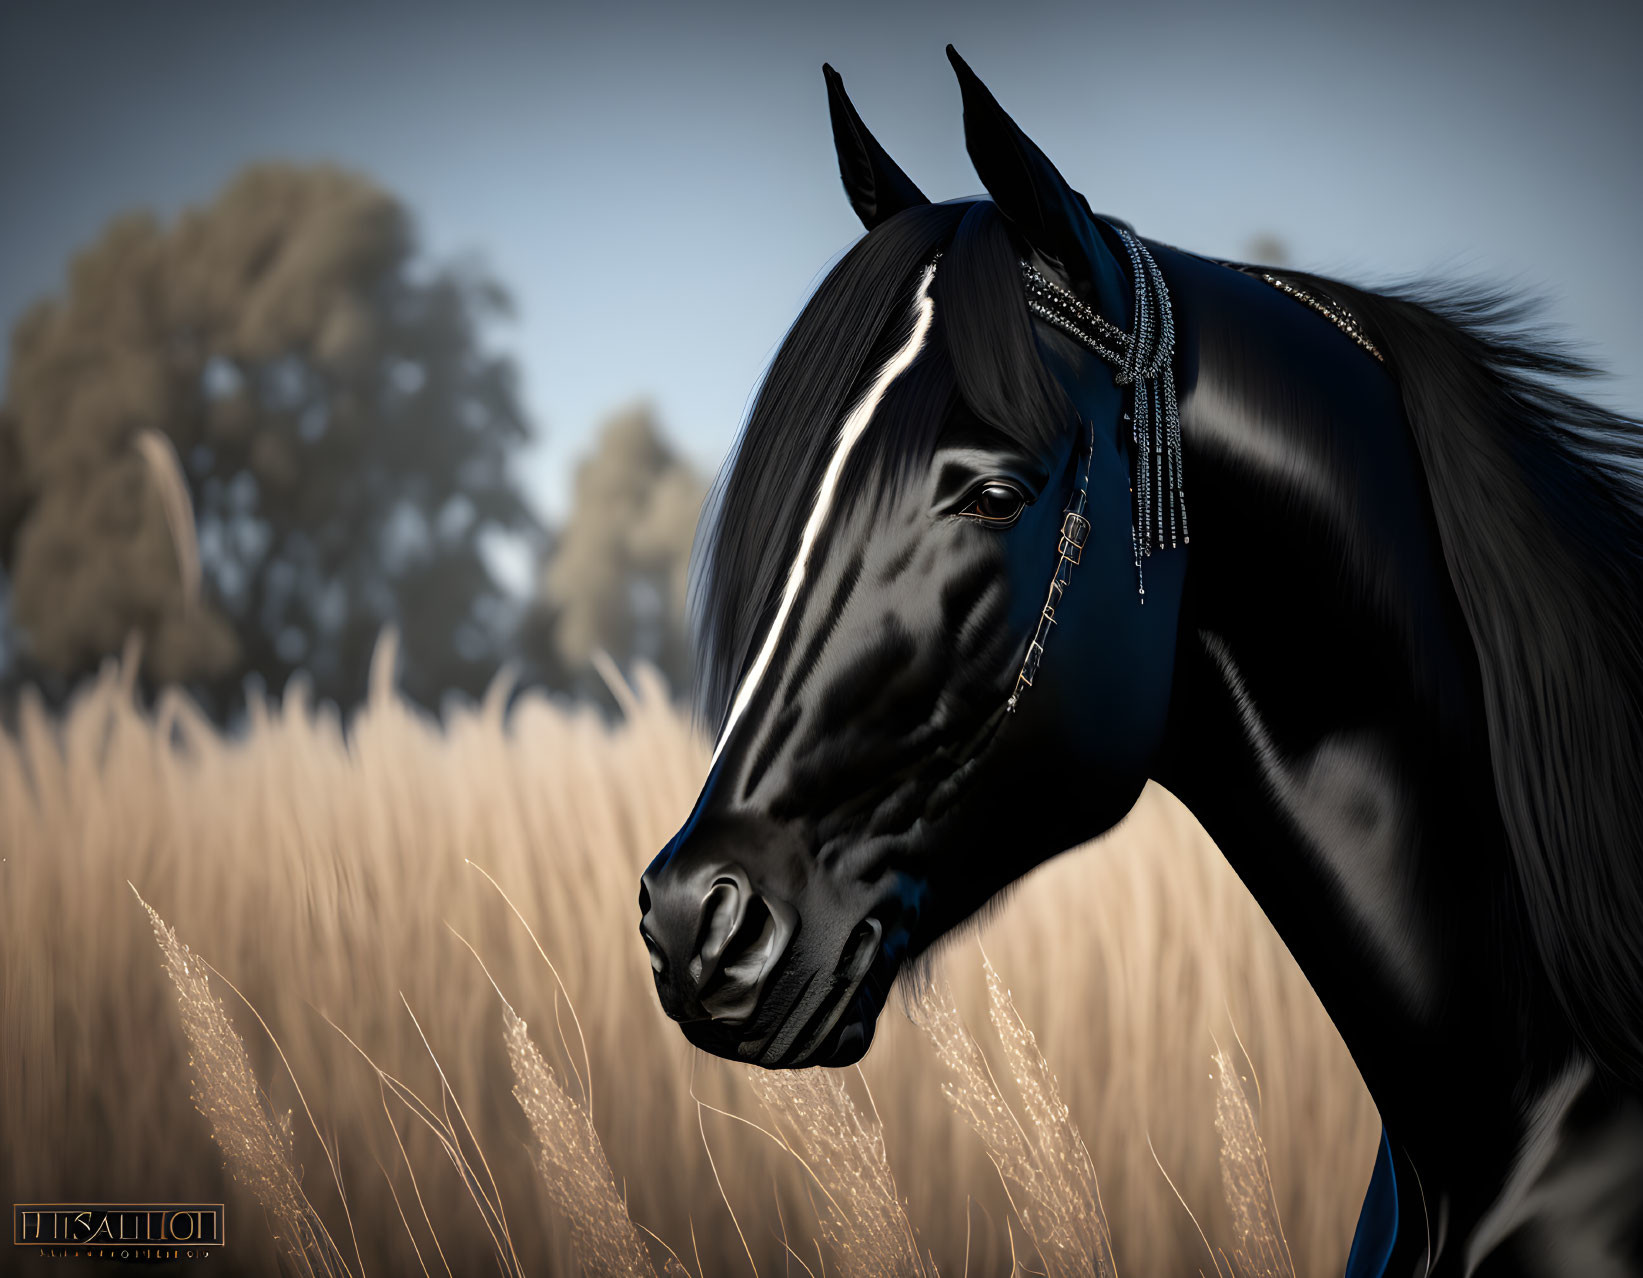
{"x":854,"y":426}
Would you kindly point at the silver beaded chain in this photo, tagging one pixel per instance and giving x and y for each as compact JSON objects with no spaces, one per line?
{"x":1144,"y":359}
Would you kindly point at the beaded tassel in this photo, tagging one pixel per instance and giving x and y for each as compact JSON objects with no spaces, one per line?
{"x":1145,"y":362}
{"x":1148,"y":369}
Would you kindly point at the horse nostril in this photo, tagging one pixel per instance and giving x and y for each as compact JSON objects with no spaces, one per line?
{"x":712,"y":950}
{"x":752,"y":949}
{"x":744,"y":964}
{"x":723,"y":909}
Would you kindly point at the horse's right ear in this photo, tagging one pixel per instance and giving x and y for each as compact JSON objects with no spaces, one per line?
{"x":877,"y":187}
{"x":1052,"y":217}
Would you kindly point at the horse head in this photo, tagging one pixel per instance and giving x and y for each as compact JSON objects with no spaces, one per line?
{"x":910,"y":716}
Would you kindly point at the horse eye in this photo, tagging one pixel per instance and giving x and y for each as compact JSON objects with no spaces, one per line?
{"x":997,"y":504}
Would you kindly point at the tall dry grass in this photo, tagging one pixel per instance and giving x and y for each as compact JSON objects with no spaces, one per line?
{"x":325,"y":874}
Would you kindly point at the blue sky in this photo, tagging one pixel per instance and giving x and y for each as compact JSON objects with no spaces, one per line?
{"x":656,"y":185}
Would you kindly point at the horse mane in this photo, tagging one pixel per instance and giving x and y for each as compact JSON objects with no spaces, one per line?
{"x":1538,"y":496}
{"x":981,"y":351}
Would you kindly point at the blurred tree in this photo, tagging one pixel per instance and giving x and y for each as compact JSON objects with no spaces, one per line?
{"x":342,"y":435}
{"x":1266,"y":249}
{"x":616,"y":577}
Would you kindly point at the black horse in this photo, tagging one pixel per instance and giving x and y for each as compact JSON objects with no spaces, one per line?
{"x":1397,"y":674}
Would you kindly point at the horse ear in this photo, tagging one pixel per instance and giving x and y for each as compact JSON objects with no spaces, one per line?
{"x":1054,"y":219}
{"x":877,"y":187}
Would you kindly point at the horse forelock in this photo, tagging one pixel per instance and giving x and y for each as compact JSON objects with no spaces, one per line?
{"x":850,"y":432}
{"x":830,"y":419}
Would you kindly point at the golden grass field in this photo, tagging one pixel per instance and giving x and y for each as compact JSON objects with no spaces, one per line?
{"x":325,"y":874}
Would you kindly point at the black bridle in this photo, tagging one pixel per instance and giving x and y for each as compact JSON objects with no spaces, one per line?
{"x":1144,"y":360}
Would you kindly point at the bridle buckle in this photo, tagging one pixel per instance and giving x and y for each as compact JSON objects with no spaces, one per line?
{"x":1075,"y":531}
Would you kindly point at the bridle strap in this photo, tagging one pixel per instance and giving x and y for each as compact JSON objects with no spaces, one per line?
{"x":1075,"y":532}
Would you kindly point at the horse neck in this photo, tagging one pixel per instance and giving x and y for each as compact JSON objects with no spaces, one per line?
{"x":1327,"y":725}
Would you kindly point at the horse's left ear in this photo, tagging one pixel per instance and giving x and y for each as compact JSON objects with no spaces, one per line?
{"x":877,"y":187}
{"x":1052,"y":217}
